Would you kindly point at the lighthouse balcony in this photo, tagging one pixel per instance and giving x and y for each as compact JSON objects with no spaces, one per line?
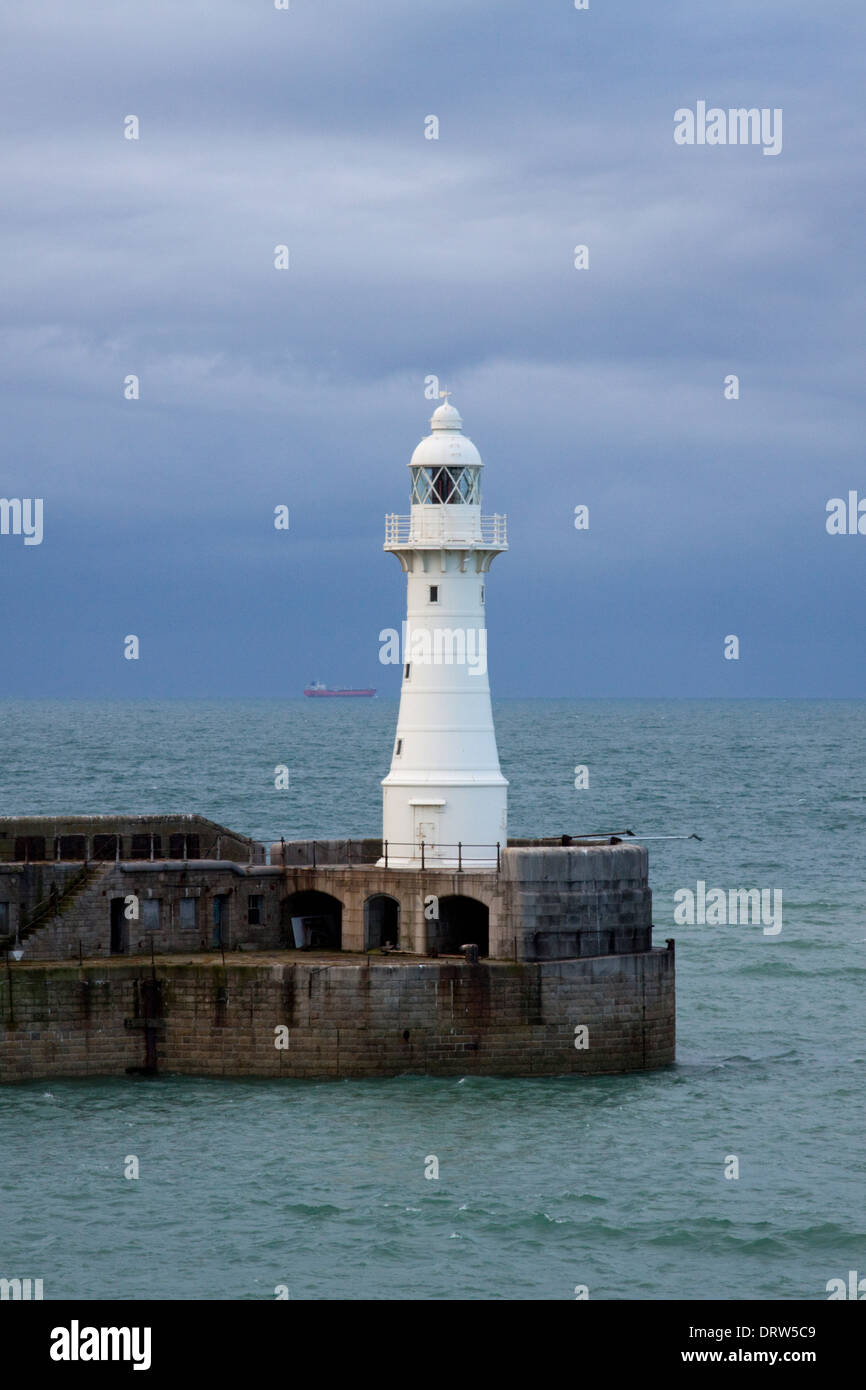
{"x":438,"y":528}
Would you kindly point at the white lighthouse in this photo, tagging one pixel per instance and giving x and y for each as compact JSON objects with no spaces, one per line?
{"x":445,"y":799}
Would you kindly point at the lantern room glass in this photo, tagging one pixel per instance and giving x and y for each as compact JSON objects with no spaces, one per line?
{"x":454,"y":486}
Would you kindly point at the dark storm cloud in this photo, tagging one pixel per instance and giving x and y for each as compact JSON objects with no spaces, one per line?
{"x":411,"y":257}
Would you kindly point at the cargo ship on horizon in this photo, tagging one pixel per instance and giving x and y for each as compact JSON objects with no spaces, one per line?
{"x":318,"y":690}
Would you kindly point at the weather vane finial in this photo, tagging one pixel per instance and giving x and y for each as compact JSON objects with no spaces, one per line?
{"x":445,"y":394}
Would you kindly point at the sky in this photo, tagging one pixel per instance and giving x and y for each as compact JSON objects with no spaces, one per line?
{"x":409,"y":258}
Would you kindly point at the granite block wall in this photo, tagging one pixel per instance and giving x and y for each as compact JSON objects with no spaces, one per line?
{"x":338,"y":1017}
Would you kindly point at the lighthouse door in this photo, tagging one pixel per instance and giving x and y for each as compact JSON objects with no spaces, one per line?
{"x":426,"y":830}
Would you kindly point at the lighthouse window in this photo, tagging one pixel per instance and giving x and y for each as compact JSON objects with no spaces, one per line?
{"x":434,"y":593}
{"x":406,"y":672}
{"x":399,"y":749}
{"x":482,"y":593}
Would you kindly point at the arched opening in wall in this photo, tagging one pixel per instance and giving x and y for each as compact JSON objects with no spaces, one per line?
{"x":462,"y":921}
{"x":381,"y":921}
{"x":311,"y":921}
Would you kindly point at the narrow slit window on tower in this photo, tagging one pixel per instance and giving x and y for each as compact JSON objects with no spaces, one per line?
{"x":399,"y":749}
{"x":407,"y":670}
{"x":482,"y":593}
{"x":434,"y":593}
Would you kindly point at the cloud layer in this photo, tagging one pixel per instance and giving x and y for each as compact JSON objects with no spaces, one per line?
{"x":411,"y":257}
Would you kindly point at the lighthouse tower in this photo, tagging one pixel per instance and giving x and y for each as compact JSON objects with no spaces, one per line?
{"x":445,"y":797}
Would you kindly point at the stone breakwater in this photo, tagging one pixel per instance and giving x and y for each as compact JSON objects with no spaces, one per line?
{"x":336,"y":1015}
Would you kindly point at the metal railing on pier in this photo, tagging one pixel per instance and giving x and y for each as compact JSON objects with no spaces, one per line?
{"x":393,"y":854}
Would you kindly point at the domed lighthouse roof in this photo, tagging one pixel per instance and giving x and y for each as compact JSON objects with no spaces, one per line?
{"x":447,"y":445}
{"x":446,"y":417}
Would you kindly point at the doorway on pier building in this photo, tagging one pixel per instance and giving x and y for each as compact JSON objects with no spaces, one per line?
{"x":220,"y":934}
{"x":381,"y":922}
{"x":462,"y":921}
{"x":119,"y":941}
{"x":311,"y":921}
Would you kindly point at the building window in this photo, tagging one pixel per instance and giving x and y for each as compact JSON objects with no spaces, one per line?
{"x":482,"y":593}
{"x":177,"y":844}
{"x":4,"y":917}
{"x":399,"y":749}
{"x":150,"y":913}
{"x":30,"y":847}
{"x":104,"y":846}
{"x":406,"y":672}
{"x":434,"y":593}
{"x":254,"y":909}
{"x":187,"y":914}
{"x":141,"y":847}
{"x":72,"y":847}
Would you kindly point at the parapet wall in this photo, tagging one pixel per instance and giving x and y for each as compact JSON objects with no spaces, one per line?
{"x":578,"y":901}
{"x":76,"y":838}
{"x":340,"y":1017}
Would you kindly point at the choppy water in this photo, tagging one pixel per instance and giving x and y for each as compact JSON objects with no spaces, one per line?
{"x":617,"y":1183}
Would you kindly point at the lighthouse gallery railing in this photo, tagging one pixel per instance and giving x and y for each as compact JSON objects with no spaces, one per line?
{"x":405,"y":530}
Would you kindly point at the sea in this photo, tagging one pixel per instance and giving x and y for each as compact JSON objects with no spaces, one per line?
{"x":737,"y":1173}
